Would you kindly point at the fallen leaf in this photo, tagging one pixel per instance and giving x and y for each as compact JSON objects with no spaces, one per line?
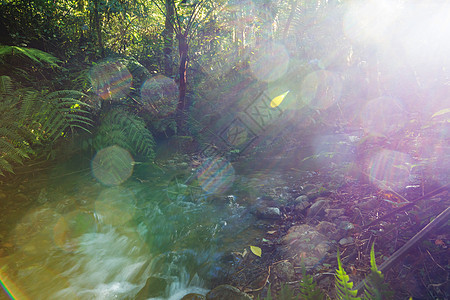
{"x":256,"y":250}
{"x":271,"y":231}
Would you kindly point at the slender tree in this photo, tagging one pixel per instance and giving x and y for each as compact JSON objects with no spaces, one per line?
{"x":168,"y":37}
{"x":187,"y":15}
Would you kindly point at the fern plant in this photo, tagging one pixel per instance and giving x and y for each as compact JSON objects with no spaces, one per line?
{"x":308,"y":287}
{"x":14,"y":139}
{"x":344,"y":287}
{"x":122,"y":128}
{"x":37,"y":56}
{"x":29,"y":118}
{"x":376,"y":288}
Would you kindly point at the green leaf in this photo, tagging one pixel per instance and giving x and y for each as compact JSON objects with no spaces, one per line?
{"x":256,"y":250}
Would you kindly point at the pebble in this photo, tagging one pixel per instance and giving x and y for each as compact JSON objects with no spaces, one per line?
{"x":346,"y":241}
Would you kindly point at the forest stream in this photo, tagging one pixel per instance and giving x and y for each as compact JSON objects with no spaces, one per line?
{"x":66,"y":236}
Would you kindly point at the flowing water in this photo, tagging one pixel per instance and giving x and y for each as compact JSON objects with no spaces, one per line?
{"x":158,"y":235}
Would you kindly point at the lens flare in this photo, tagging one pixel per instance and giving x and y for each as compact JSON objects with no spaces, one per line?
{"x":115,"y":206}
{"x":159,"y":95}
{"x":383,"y":116}
{"x":110,"y":80}
{"x":321,"y":89}
{"x":10,"y":287}
{"x":112,"y":165}
{"x":270,"y":63}
{"x":370,"y":21}
{"x":237,"y":134}
{"x":215,"y":175}
{"x":388,"y":168}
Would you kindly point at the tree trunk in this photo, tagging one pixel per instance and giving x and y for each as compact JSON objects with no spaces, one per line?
{"x":98,"y":28}
{"x":183,"y":106}
{"x":168,"y":38}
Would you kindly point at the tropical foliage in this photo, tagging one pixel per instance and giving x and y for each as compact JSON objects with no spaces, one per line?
{"x":32,"y":120}
{"x":122,"y":128}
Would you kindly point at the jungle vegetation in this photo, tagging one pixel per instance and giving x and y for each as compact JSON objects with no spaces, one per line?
{"x":135,"y":72}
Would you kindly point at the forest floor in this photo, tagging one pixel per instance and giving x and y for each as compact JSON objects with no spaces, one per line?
{"x":326,"y":210}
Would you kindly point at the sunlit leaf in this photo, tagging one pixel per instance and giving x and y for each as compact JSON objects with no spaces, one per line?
{"x":256,"y":250}
{"x":278,"y":99}
{"x":441,"y":112}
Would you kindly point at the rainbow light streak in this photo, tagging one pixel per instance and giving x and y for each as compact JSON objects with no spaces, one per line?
{"x":117,"y":85}
{"x":215,"y":176}
{"x":10,"y":288}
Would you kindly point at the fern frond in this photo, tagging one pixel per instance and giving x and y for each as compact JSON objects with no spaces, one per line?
{"x":286,"y":293}
{"x":5,"y":165}
{"x":122,"y":128}
{"x":344,"y":287}
{"x":29,"y":104}
{"x":35,"y":55}
{"x":6,"y":87}
{"x":376,"y":288}
{"x":12,"y":153}
{"x":308,"y":288}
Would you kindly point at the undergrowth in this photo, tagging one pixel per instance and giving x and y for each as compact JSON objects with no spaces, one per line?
{"x":375,"y":287}
{"x":122,"y":128}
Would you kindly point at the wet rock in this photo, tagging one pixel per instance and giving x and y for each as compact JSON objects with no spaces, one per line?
{"x":301,"y":203}
{"x":327,"y":228}
{"x":346,"y":241}
{"x":284,"y":271}
{"x":226,"y":292}
{"x":301,"y":207}
{"x":333,"y":213}
{"x":193,"y":296}
{"x":306,"y":244}
{"x":154,"y":287}
{"x":346,"y":225}
{"x":301,"y":199}
{"x":318,"y":208}
{"x":268,"y":213}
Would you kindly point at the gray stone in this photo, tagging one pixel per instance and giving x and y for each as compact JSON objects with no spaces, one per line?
{"x":346,"y":241}
{"x":301,"y":199}
{"x":268,"y":213}
{"x":326,"y":228}
{"x":304,"y":244}
{"x":317,"y":209}
{"x":284,"y":271}
{"x":226,"y":292}
{"x":334,"y":212}
{"x":346,"y":225}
